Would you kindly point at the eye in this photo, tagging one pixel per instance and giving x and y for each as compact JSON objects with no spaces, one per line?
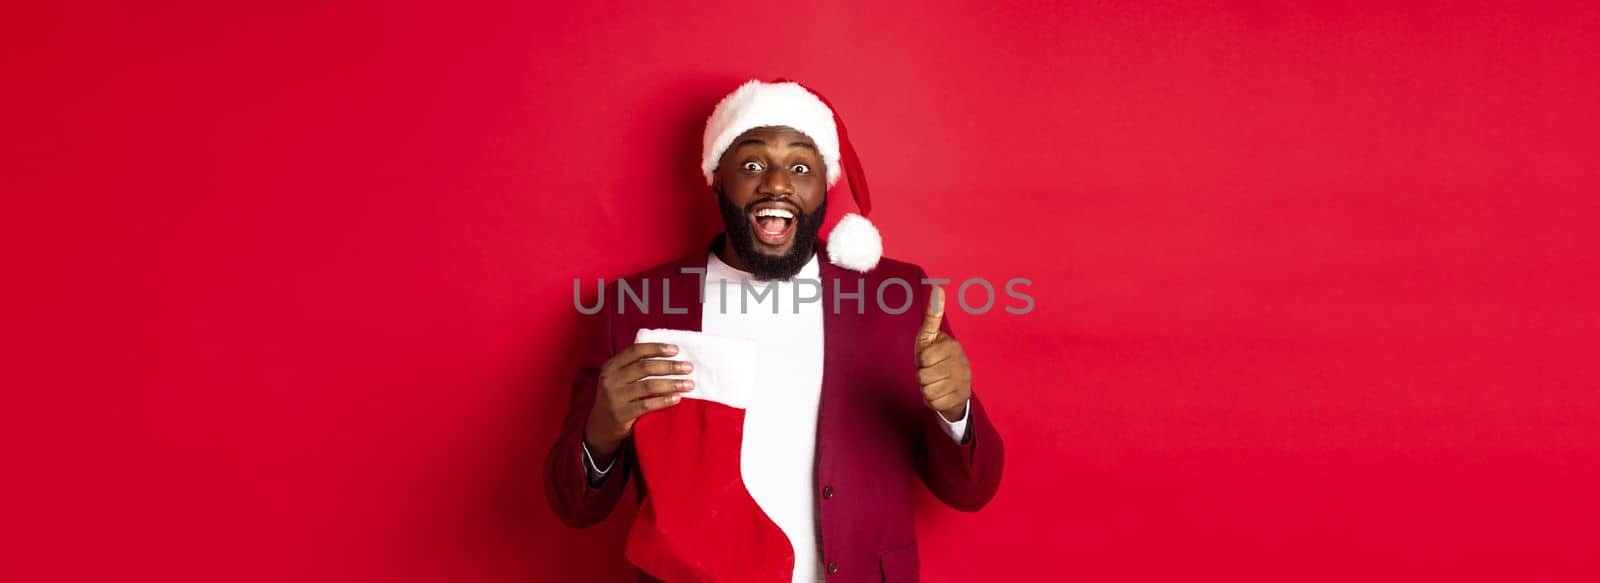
{"x":752,"y":166}
{"x":800,"y":169}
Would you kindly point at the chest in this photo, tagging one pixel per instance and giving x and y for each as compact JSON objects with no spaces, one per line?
{"x":790,"y":344}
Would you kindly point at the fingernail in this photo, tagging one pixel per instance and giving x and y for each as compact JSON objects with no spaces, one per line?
{"x":684,"y":366}
{"x":673,"y":399}
{"x":671,"y":349}
{"x":685,"y":384}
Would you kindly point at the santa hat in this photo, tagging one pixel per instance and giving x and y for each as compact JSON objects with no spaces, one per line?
{"x":854,"y":243}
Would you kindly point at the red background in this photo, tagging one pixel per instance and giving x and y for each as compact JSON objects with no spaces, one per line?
{"x":289,"y":286}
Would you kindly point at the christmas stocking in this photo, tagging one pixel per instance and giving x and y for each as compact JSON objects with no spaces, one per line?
{"x":698,"y":522}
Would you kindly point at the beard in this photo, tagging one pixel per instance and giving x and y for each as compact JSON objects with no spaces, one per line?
{"x":771,"y":267}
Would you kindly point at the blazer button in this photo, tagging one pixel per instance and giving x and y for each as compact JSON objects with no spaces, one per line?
{"x":827,"y":492}
{"x":833,"y":567}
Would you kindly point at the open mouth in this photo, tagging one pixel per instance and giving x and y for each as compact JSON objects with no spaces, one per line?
{"x":773,"y":223}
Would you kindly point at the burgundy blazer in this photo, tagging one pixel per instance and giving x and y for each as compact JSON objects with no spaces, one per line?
{"x":873,"y":431}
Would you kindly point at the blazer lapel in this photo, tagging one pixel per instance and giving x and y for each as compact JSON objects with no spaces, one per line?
{"x":680,"y":306}
{"x":836,"y":332}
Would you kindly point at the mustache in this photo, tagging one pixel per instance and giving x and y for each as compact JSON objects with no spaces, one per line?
{"x":799,"y":211}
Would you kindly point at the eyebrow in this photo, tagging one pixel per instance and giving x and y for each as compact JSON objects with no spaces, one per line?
{"x":759,"y":141}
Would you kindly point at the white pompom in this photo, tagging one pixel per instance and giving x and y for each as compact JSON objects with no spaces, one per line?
{"x":855,"y":244}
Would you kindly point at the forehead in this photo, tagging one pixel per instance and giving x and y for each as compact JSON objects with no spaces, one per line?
{"x":774,"y":136}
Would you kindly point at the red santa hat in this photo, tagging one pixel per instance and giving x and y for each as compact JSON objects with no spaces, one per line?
{"x":854,"y":243}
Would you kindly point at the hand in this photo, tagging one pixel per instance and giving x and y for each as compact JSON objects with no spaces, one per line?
{"x":622,"y":397}
{"x":942,"y":366}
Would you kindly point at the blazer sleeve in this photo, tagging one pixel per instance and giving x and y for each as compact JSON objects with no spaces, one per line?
{"x":963,"y":475}
{"x":566,"y":484}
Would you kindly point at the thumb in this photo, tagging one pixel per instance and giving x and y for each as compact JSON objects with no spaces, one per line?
{"x":931,"y":319}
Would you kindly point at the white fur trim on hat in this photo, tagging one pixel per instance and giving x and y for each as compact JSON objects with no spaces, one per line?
{"x":757,"y":104}
{"x":855,"y":244}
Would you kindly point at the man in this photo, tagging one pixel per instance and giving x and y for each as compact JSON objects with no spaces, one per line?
{"x":804,"y":471}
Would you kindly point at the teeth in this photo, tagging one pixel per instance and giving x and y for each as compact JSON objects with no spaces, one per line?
{"x":780,"y":213}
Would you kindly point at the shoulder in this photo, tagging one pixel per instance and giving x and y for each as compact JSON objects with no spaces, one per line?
{"x":888,"y":272}
{"x":667,"y":269}
{"x":889,"y":268}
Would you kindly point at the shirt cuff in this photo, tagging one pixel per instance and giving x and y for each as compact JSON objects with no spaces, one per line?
{"x":957,"y":429}
{"x":595,"y":473}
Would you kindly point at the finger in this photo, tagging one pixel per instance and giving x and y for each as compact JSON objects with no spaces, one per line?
{"x":939,"y":389}
{"x":635,"y":352}
{"x":944,"y":348}
{"x":658,"y":387}
{"x":946,"y":402}
{"x":642,"y":406}
{"x":931,"y":319}
{"x":653,"y":367}
{"x":930,"y":375}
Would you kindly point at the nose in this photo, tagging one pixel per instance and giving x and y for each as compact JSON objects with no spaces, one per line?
{"x":777,"y":184}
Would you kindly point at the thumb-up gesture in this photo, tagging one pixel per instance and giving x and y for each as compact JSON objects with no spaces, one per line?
{"x":942,"y":367}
